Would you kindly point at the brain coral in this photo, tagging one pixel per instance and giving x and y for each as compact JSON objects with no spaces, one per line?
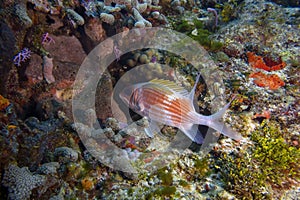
{"x":20,"y":182}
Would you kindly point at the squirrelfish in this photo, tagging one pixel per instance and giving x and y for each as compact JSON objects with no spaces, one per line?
{"x":165,"y":102}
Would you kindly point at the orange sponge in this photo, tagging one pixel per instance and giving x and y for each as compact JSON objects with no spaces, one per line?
{"x":272,"y":81}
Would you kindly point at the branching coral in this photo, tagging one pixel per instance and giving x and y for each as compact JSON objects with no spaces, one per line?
{"x":22,"y":56}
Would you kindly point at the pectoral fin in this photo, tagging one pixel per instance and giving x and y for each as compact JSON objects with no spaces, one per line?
{"x":192,"y":132}
{"x":152,"y":128}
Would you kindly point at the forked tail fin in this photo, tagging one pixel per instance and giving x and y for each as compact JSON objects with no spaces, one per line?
{"x":215,"y":121}
{"x":225,"y":130}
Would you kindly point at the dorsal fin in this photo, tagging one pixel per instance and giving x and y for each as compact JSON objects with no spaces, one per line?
{"x":172,"y":85}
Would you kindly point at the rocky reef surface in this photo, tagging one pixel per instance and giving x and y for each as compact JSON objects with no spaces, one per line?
{"x":46,"y":154}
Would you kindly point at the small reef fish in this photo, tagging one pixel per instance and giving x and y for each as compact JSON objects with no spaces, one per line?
{"x":163,"y":101}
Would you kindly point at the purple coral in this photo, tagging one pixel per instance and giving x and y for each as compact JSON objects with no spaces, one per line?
{"x":22,"y":56}
{"x":46,"y":39}
{"x":153,"y":59}
{"x":90,"y":7}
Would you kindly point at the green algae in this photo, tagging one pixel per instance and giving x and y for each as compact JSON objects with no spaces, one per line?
{"x":202,"y":36}
{"x":227,"y":12}
{"x":270,"y":17}
{"x":161,"y":192}
{"x":229,"y":9}
{"x":130,"y":191}
{"x":184,"y":26}
{"x":165,"y":191}
{"x":183,"y":183}
{"x":269,"y":165}
{"x":165,"y":177}
{"x":202,"y":167}
{"x":234,"y":84}
{"x":278,"y":160}
{"x":34,"y":38}
{"x":295,"y":63}
{"x":241,"y":177}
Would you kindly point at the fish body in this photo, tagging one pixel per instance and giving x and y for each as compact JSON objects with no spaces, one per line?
{"x":165,"y":102}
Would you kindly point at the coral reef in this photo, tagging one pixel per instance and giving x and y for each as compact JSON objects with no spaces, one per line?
{"x":48,"y":168}
{"x":45,"y":155}
{"x":75,"y":18}
{"x":21,"y":14}
{"x":287,"y":3}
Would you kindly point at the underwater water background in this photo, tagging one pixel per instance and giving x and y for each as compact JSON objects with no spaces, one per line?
{"x":66,"y":134}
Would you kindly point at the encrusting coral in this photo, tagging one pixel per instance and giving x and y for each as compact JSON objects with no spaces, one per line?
{"x":3,"y":102}
{"x":20,"y":182}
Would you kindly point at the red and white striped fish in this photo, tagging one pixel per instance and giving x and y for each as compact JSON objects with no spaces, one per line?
{"x":165,"y":102}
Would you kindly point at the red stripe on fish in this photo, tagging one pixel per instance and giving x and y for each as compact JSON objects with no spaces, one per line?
{"x":164,"y":102}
